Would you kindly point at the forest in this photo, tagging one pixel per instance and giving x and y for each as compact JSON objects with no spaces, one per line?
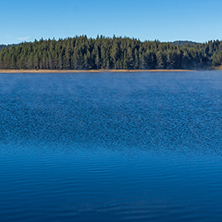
{"x":83,"y":53}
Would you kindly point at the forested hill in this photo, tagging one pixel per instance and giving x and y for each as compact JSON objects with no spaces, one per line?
{"x":110,"y":53}
{"x":184,"y":43}
{"x":7,"y":46}
{"x":2,"y":46}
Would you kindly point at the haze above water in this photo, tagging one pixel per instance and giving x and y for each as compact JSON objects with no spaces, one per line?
{"x":111,"y":147}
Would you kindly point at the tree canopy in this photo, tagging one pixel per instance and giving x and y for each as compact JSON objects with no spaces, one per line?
{"x":83,"y":53}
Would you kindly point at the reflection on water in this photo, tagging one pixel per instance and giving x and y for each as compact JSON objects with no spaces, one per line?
{"x":111,"y":147}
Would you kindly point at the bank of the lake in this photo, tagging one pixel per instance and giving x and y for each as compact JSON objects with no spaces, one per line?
{"x":90,"y":71}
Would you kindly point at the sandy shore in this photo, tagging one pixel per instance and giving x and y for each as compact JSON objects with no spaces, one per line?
{"x":88,"y":71}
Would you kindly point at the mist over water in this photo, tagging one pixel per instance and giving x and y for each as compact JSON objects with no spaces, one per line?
{"x":111,"y":146}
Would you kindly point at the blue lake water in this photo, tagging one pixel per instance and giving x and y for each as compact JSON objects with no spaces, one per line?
{"x":111,"y":147}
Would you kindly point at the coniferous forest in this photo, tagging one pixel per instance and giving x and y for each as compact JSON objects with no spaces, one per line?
{"x":82,"y":53}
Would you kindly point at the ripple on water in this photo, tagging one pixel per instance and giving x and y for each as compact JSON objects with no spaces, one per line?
{"x":111,"y":147}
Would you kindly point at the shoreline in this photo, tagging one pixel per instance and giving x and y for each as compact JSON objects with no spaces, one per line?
{"x":91,"y":71}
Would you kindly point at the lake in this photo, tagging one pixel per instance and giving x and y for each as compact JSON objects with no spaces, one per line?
{"x":111,"y":147}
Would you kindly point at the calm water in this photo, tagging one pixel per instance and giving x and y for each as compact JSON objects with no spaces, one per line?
{"x":111,"y":147}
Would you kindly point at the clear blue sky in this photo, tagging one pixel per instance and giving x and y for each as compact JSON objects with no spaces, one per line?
{"x":165,"y":20}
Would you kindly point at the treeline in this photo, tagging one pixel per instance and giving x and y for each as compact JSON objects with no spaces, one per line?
{"x":110,"y":53}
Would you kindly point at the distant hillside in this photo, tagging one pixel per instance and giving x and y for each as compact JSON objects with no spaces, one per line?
{"x":2,"y":46}
{"x":182,"y":43}
{"x":8,"y":46}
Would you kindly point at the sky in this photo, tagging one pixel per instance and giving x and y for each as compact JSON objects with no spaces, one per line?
{"x":163,"y":20}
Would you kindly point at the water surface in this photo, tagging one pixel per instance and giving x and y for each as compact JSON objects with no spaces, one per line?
{"x":111,"y":147}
